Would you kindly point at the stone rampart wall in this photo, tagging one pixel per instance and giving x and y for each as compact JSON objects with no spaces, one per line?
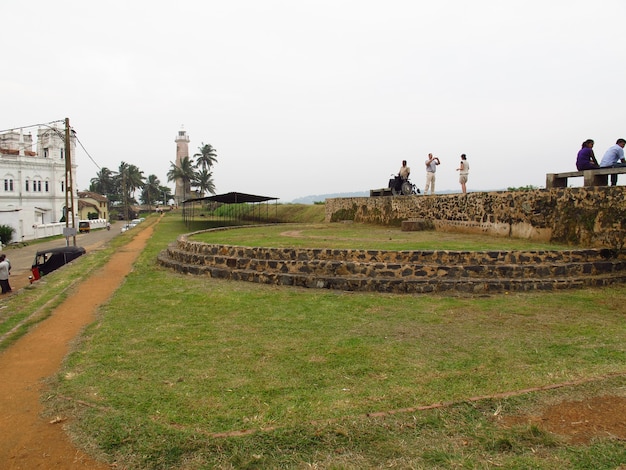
{"x":588,"y":216}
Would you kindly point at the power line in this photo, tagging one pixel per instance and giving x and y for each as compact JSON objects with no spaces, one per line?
{"x":62,"y":121}
{"x":85,"y":150}
{"x":33,"y":125}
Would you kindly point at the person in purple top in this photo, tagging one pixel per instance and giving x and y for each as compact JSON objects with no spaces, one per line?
{"x":586,"y":160}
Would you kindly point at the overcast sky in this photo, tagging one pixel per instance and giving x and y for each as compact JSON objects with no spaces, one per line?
{"x":308,"y":97}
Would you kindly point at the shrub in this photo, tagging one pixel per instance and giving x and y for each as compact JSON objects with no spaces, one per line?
{"x":6,"y":234}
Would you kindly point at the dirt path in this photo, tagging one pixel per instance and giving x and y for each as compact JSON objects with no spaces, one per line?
{"x":28,"y":441}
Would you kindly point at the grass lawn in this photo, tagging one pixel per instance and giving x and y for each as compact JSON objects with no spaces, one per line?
{"x":191,"y":372}
{"x":365,"y":237}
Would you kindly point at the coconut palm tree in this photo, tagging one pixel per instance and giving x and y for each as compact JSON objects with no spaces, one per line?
{"x":130,"y":178}
{"x":167,"y":194}
{"x":103,"y":183}
{"x":185,"y":173}
{"x":151,"y":191}
{"x":203,"y":181}
{"x":206,"y":157}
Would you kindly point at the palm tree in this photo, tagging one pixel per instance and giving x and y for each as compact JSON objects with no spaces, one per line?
{"x":166,"y":192}
{"x":151,"y":190}
{"x":185,"y":173}
{"x":103,"y":183}
{"x":204,"y":182}
{"x":130,"y":178}
{"x":207,"y":157}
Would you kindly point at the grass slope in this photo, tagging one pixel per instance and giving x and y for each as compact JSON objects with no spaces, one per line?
{"x":192,"y":372}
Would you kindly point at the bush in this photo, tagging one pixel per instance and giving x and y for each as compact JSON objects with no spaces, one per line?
{"x":6,"y":234}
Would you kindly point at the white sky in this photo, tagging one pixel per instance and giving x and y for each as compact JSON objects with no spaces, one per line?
{"x":308,"y":97}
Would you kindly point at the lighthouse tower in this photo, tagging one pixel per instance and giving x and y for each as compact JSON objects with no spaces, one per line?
{"x":182,"y":150}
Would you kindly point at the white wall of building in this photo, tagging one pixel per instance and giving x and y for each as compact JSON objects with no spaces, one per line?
{"x":32,"y":184}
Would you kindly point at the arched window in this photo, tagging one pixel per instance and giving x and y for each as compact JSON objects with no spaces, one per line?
{"x":8,"y":183}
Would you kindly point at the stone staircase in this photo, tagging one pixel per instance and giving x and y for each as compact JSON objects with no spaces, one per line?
{"x":400,"y":271}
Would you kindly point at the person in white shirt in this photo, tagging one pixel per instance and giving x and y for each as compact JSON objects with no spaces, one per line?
{"x":404,"y":172}
{"x":614,"y":158}
{"x":463,"y":170}
{"x":5,"y":269}
{"x":431,"y":168}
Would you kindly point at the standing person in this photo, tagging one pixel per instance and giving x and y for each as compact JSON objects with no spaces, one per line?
{"x":586,"y":160}
{"x":463,"y":170}
{"x":431,"y":169}
{"x":5,"y":269}
{"x":614,"y":158}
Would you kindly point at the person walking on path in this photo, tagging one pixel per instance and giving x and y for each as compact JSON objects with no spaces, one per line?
{"x":614,"y":158}
{"x":5,"y":270}
{"x":463,"y":170}
{"x":431,"y":169}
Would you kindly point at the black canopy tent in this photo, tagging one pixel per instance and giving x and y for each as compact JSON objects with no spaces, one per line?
{"x":189,"y":205}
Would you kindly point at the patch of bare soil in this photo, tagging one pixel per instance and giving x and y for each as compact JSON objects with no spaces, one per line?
{"x":580,"y":421}
{"x":28,"y":440}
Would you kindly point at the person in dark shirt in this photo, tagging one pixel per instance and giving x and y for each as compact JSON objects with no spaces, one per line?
{"x":586,"y":159}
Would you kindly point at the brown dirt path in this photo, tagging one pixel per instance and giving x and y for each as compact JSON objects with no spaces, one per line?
{"x":27,"y":440}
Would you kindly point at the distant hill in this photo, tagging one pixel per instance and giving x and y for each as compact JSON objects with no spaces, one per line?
{"x":323,"y":197}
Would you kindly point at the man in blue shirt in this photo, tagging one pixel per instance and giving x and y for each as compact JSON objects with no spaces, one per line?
{"x":614,"y":158}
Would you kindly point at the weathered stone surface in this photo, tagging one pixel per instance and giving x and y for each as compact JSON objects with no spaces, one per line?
{"x":415,"y":225}
{"x":587,"y":216}
{"x":409,"y":271}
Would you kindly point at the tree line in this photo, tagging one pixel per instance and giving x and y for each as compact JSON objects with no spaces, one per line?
{"x":122,"y":187}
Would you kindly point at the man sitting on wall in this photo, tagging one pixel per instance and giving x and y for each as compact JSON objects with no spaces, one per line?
{"x":403,"y":175}
{"x":614,"y":158}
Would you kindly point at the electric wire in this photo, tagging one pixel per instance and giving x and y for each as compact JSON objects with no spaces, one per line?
{"x":58,"y":132}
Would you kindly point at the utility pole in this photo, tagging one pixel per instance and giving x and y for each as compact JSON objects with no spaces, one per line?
{"x":69,"y":186}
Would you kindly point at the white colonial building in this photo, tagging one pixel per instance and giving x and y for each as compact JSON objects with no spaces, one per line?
{"x":33,"y":183}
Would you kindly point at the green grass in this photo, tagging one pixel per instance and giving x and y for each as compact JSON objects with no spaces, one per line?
{"x":367,"y":237}
{"x":177,"y":367}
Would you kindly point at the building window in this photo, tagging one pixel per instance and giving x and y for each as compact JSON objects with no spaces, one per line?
{"x":8,"y":185}
{"x":47,"y":186}
{"x":62,"y":186}
{"x":62,"y":154}
{"x":27,"y":186}
{"x":38,"y":185}
{"x":45,"y":152}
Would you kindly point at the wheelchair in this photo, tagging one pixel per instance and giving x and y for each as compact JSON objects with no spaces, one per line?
{"x":400,"y":187}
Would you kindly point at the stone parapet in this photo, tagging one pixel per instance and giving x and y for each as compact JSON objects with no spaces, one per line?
{"x":587,"y":216}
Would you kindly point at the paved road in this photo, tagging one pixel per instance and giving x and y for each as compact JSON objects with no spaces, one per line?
{"x":22,"y":258}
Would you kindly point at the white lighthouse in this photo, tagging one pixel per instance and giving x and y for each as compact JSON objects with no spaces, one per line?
{"x":182,"y":150}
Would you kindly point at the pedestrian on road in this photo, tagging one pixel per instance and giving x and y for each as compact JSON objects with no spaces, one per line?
{"x":5,"y":270}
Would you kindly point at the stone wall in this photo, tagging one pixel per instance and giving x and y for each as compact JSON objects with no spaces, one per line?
{"x":587,"y":216}
{"x":401,"y":272}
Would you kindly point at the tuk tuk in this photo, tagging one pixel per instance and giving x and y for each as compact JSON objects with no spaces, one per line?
{"x":47,"y":261}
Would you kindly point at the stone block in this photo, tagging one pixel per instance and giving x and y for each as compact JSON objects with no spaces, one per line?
{"x":417,"y":225}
